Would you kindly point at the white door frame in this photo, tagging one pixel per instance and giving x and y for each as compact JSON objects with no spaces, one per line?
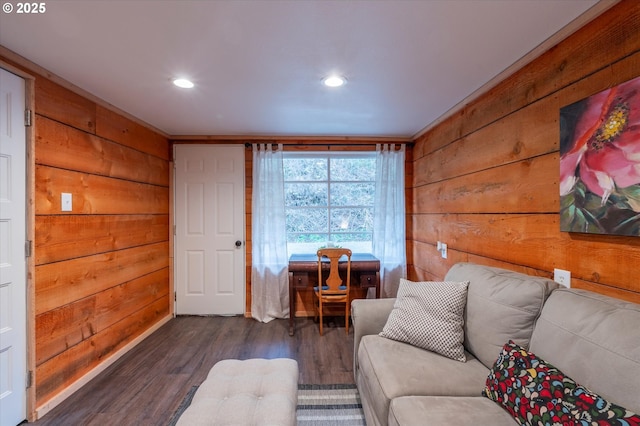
{"x":29,"y":79}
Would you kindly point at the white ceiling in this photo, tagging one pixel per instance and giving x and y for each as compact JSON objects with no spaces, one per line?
{"x":257,"y":65}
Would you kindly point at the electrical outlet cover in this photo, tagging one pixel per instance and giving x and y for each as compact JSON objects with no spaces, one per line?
{"x":562,"y":277}
{"x":66,"y":202}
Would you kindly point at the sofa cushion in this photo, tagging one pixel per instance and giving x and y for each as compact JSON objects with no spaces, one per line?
{"x":535,"y":392}
{"x":429,"y":315}
{"x":447,"y":410}
{"x":502,"y":305}
{"x":595,"y":340}
{"x":389,"y":369}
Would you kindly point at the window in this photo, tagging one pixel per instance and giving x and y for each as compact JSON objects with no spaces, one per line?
{"x":329,"y":200}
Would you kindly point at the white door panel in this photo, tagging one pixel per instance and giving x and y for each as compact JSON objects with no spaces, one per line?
{"x":13,"y":302}
{"x":210,"y":267}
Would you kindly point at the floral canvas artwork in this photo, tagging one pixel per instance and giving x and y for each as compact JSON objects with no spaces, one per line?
{"x":600,"y":162}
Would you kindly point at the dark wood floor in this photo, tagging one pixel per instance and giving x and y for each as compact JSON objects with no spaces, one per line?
{"x":146,"y":386}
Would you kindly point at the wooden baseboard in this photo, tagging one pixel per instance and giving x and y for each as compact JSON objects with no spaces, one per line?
{"x":67,"y":392}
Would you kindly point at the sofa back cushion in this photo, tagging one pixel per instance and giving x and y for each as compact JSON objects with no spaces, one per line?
{"x":595,"y":340}
{"x":502,"y":305}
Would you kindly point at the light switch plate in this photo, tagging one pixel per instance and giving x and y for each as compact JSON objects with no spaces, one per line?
{"x":66,"y":200}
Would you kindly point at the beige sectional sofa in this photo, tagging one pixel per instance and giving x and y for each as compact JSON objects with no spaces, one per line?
{"x":593,"y":339}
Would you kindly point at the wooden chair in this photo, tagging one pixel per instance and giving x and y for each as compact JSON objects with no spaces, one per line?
{"x":332,"y":291}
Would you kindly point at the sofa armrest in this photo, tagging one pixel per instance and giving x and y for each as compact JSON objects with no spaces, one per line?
{"x":369,"y":317}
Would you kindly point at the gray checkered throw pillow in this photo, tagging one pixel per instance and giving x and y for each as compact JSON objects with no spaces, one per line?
{"x":429,"y":315}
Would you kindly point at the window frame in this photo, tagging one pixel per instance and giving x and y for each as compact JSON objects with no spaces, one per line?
{"x":329,"y":208}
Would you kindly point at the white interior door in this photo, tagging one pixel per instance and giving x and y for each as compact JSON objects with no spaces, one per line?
{"x":13,"y":300}
{"x":209,"y":240}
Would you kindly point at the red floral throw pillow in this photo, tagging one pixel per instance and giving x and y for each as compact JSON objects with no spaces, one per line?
{"x":537,"y":393}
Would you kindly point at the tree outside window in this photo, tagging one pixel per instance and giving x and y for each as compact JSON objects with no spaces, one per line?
{"x":329,"y":200}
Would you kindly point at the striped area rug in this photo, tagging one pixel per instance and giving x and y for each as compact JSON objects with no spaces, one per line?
{"x":320,"y":405}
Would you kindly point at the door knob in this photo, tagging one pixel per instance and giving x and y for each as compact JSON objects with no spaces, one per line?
{"x":238,"y":243}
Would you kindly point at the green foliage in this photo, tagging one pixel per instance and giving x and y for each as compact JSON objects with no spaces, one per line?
{"x":306,"y":194}
{"x":352,"y":193}
{"x":305,"y":169}
{"x":584,"y":211}
{"x":353,"y":169}
{"x":329,"y":198}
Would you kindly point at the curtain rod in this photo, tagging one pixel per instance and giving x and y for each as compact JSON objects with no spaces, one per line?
{"x":397,"y":145}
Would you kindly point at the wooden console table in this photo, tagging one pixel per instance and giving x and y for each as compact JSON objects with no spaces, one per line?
{"x":303,"y":273}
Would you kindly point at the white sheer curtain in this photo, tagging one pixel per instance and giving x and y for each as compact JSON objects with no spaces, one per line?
{"x":269,"y":277}
{"x":389,"y":243}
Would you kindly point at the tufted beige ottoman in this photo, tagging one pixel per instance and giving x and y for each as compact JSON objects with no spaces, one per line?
{"x":249,"y":392}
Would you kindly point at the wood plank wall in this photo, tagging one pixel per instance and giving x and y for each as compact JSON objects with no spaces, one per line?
{"x":485,"y":180}
{"x":102,"y":270}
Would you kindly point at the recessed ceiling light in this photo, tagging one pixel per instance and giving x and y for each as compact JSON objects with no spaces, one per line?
{"x":183,"y":82}
{"x":334,"y":81}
